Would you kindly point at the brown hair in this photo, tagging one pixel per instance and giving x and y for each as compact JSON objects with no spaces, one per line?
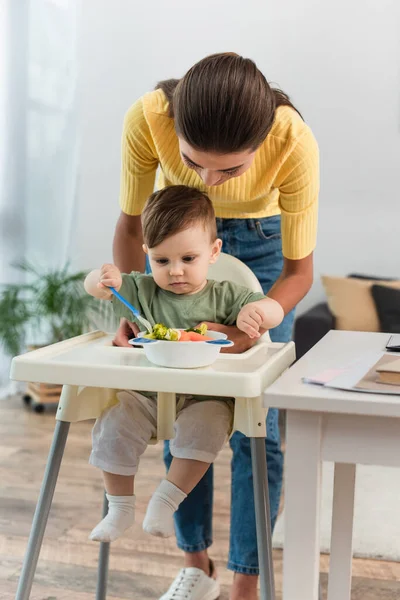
{"x":174,"y":209}
{"x":223,"y":104}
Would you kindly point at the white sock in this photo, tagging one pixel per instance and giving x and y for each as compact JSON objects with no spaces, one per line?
{"x":159,"y":519}
{"x":120,"y":516}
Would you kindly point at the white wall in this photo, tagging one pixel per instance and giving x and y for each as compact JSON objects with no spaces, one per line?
{"x":338,"y":60}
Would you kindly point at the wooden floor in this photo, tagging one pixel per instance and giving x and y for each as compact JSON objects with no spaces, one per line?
{"x":141,"y":566}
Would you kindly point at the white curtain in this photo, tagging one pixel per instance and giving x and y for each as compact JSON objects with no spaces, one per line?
{"x":38,"y":135}
{"x":52,"y":137}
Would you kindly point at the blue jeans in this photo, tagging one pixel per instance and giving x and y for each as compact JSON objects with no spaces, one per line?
{"x":257,"y":243}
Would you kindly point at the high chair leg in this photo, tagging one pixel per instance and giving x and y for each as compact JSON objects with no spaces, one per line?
{"x":42,"y":510}
{"x":166,"y":415}
{"x":263,"y":518}
{"x":102,"y":569}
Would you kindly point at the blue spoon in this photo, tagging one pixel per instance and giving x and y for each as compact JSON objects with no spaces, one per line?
{"x":134,"y":310}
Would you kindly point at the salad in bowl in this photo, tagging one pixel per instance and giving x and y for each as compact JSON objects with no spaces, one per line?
{"x":160,"y":350}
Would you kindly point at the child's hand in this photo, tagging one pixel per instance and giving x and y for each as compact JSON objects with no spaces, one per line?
{"x":250,"y":319}
{"x":263,"y":314}
{"x":110,"y":276}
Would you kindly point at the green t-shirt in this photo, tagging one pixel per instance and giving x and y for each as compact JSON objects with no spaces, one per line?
{"x":218,"y":302}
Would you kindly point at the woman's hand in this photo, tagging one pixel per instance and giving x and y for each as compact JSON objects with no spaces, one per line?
{"x":125,"y":332}
{"x":241,"y":340}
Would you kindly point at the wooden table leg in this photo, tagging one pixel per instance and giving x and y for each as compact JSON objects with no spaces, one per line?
{"x":339,"y":586}
{"x":302,"y":506}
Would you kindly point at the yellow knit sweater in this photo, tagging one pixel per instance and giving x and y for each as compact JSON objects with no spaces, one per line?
{"x":283,"y":179}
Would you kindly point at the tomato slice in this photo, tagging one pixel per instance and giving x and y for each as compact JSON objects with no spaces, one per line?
{"x":192,"y":336}
{"x":184,"y":336}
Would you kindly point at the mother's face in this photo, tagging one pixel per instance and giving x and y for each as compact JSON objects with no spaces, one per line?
{"x":215,"y":169}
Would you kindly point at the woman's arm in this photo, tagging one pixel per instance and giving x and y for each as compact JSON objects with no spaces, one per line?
{"x":290,"y":288}
{"x":241,"y":340}
{"x":127,"y":246}
{"x":139,"y":165}
{"x":294,"y":282}
{"x":139,"y":161}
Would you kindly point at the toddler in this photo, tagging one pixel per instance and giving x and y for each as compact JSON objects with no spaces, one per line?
{"x":180,"y":240}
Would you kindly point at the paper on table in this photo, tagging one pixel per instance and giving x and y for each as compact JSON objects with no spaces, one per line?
{"x":359,"y":376}
{"x":329,"y":375}
{"x":324,"y":377}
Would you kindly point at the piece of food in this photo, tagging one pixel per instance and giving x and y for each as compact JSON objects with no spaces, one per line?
{"x":193,"y":334}
{"x":202,"y":329}
{"x":161,"y":332}
{"x":185,"y":337}
{"x":173,"y":335}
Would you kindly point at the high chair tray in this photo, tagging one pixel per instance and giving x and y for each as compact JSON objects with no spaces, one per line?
{"x":92,"y":360}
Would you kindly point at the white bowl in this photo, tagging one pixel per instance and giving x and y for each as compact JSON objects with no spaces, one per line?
{"x":181,"y":355}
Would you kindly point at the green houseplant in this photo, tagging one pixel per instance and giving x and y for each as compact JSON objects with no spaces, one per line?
{"x":48,"y":307}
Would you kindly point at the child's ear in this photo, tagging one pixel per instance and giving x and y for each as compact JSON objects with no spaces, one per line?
{"x":145,"y":249}
{"x":215,"y":251}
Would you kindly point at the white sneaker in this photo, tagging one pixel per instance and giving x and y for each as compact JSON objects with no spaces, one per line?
{"x":193,"y":584}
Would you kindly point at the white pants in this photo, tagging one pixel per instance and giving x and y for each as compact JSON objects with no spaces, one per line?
{"x":121,"y":434}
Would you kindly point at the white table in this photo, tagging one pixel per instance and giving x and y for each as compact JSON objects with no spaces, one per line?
{"x":345,"y":427}
{"x":91,"y":369}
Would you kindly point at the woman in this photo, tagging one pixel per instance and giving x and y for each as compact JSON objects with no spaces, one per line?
{"x":225,"y":131}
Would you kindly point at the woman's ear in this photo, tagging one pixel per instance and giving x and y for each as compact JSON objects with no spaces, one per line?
{"x":215,"y":251}
{"x":145,"y":249}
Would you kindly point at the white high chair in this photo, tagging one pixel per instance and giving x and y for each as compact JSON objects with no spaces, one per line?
{"x":91,"y":371}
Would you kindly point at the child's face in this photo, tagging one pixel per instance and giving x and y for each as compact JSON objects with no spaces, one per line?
{"x":180,"y":263}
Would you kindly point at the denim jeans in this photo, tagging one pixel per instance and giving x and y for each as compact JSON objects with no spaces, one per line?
{"x":257,"y":243}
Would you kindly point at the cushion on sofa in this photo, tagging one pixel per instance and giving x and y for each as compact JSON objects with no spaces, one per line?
{"x":351,"y":303}
{"x":387,"y":302}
